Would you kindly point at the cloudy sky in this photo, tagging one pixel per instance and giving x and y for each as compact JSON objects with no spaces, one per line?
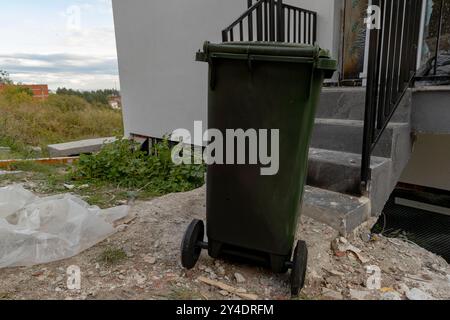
{"x":63,"y":43}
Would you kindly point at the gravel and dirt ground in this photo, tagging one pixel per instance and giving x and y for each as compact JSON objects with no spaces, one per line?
{"x":141,"y":261}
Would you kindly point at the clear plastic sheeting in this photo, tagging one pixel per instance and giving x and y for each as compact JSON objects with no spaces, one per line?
{"x":37,"y":230}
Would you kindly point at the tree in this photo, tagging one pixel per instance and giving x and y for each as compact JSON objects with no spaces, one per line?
{"x":93,"y":97}
{"x":4,"y":77}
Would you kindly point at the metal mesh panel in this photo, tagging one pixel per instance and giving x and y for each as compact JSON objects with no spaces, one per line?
{"x":427,"y":229}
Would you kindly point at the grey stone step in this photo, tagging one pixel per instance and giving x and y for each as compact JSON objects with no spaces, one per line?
{"x":342,"y":212}
{"x":347,"y":136}
{"x":349,"y":103}
{"x":341,"y":171}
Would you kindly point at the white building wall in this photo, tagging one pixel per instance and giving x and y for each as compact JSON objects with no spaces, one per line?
{"x":162,"y":86}
{"x":430,"y":162}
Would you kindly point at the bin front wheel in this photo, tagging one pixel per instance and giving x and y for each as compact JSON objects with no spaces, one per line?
{"x":190,"y":247}
{"x":299,"y":265}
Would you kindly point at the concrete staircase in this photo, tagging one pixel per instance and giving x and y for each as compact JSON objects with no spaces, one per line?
{"x":332,"y":195}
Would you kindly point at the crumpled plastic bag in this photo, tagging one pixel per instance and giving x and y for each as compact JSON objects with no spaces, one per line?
{"x":37,"y":230}
{"x":14,"y":198}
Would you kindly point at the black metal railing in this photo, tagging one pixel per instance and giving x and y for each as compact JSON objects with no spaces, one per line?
{"x":391,"y":70}
{"x":270,"y":20}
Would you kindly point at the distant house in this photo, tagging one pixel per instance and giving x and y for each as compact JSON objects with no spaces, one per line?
{"x":40,"y":91}
{"x":115,"y":102}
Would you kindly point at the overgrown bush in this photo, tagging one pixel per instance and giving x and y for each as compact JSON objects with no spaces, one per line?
{"x":67,"y":103}
{"x":26,"y":121}
{"x":17,"y":94}
{"x":119,"y":163}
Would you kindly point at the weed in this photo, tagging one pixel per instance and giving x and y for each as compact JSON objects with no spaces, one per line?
{"x":28,"y":122}
{"x":111,"y":256}
{"x":120,"y":164}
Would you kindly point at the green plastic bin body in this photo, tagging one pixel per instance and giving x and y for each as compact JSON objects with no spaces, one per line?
{"x":261,"y":86}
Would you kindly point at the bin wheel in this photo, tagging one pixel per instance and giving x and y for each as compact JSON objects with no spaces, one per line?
{"x":299,"y":266}
{"x":190,"y":248}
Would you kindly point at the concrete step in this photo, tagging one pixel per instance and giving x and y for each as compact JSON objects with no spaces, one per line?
{"x":341,"y":171}
{"x":347,"y":136}
{"x":349,"y":104}
{"x":342,"y":212}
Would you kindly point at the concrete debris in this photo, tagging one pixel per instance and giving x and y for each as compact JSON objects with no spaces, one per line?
{"x":4,"y":173}
{"x":359,"y":294}
{"x":201,"y":267}
{"x":402,"y":288}
{"x":331,"y":294}
{"x":239,"y":277}
{"x":341,"y":247}
{"x":391,"y":296}
{"x":417,"y":294}
{"x":36,"y":149}
{"x":209,"y":270}
{"x":221,"y":270}
{"x":149,"y":259}
{"x":140,"y":278}
{"x":224,"y":293}
{"x":156,"y":237}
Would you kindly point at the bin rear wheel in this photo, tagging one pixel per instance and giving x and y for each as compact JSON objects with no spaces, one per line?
{"x":190,"y":248}
{"x":299,"y":266}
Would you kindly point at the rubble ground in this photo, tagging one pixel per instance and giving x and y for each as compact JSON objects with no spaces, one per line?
{"x":141,"y":261}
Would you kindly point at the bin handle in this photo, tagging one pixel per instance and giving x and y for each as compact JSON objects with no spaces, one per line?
{"x":212,"y":74}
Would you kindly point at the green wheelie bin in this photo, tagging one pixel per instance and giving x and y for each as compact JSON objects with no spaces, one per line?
{"x":253,"y":217}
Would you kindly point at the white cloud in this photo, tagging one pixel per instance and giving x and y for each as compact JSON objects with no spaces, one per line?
{"x":78,"y":81}
{"x":83,"y":58}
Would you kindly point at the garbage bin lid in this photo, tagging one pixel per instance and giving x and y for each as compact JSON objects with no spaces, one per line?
{"x":269,"y":51}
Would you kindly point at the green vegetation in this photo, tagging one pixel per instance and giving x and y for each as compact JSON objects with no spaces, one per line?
{"x":16,"y":95}
{"x":120,"y":164}
{"x":46,"y":179}
{"x":117,"y":174}
{"x":51,"y":179}
{"x":111,"y":256}
{"x":92,"y":97}
{"x":26,"y":122}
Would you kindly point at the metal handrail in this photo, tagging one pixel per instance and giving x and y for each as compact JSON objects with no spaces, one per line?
{"x":391,"y":71}
{"x":274,"y":21}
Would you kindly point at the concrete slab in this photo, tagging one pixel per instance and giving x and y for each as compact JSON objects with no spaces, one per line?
{"x":4,"y":173}
{"x":78,"y":147}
